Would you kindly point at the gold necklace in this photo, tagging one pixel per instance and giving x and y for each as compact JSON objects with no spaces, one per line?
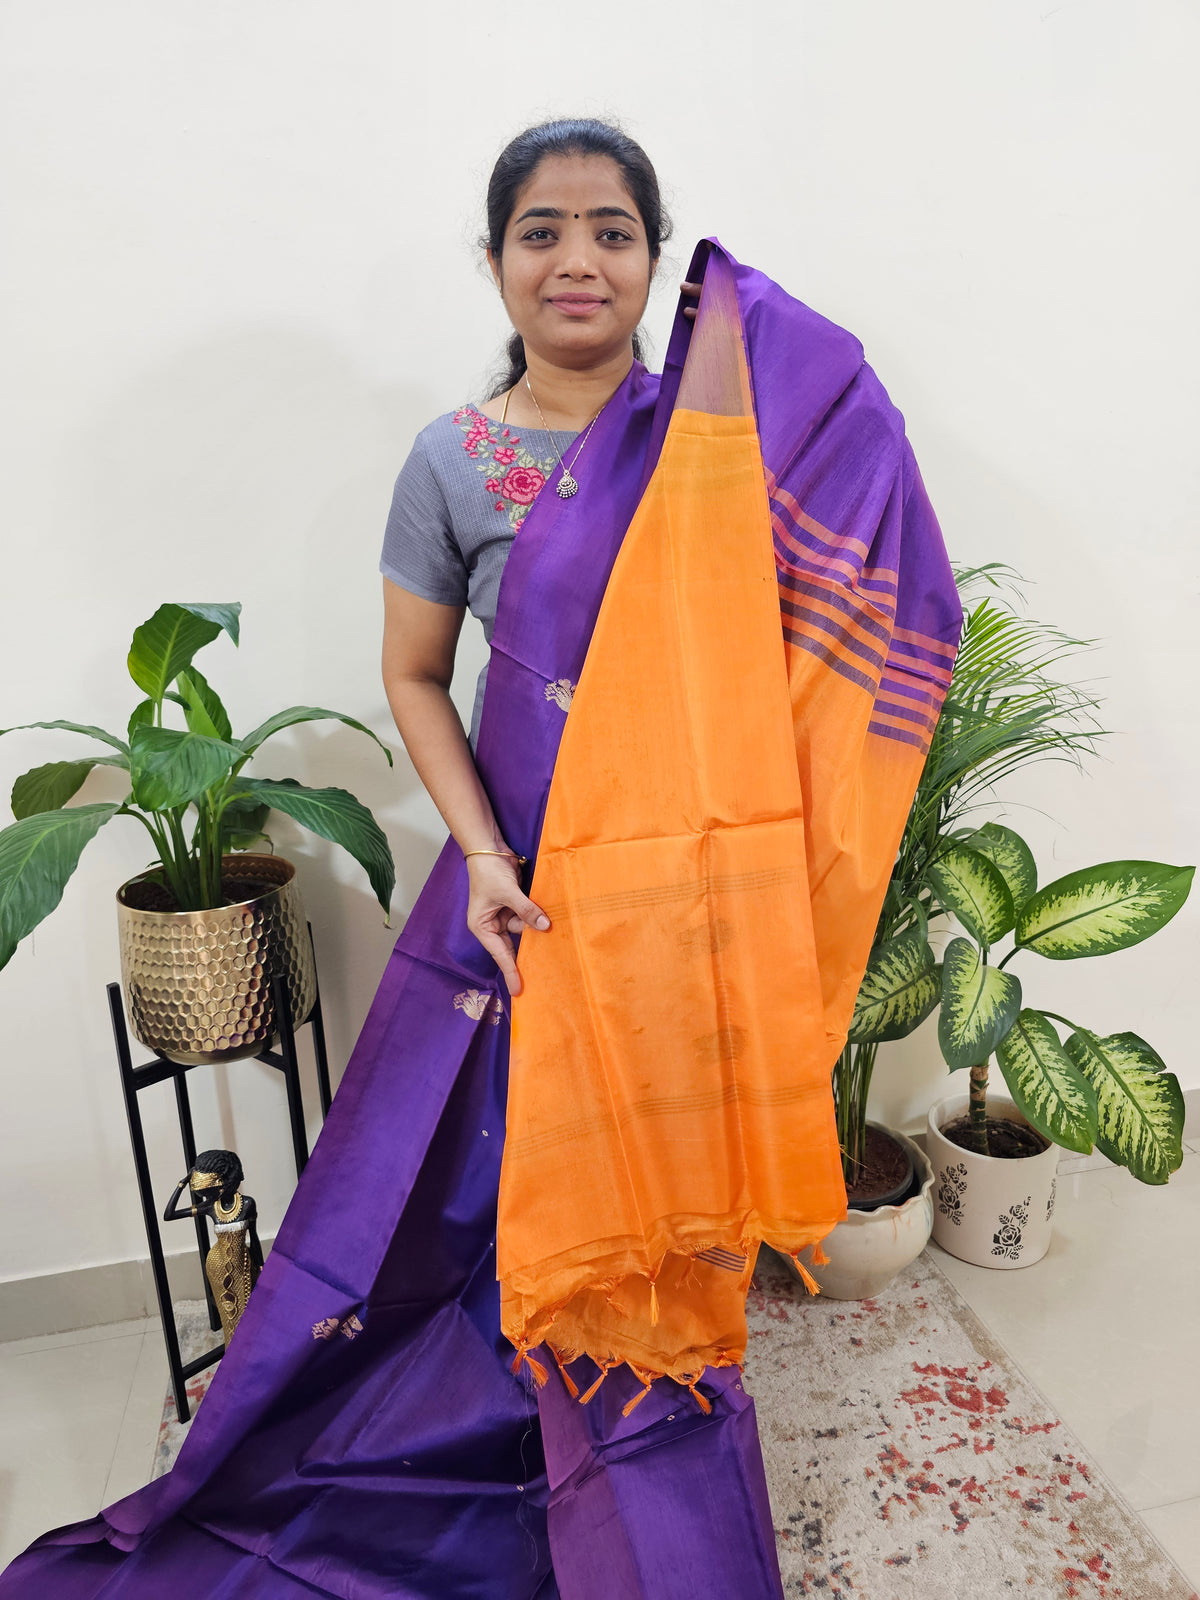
{"x":566,"y":485}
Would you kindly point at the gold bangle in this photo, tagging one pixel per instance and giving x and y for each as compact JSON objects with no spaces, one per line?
{"x":509,"y":855}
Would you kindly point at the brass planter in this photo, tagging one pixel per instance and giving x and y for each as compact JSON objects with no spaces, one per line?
{"x":198,"y":983}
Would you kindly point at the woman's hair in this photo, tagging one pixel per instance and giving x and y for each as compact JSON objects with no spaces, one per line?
{"x":569,"y":136}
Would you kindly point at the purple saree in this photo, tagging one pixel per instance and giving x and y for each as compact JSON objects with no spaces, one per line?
{"x":364,"y":1436}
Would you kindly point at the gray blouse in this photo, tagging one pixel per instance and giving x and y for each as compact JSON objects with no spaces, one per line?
{"x":459,"y":501}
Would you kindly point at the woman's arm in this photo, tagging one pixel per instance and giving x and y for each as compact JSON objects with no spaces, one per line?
{"x":419,"y":641}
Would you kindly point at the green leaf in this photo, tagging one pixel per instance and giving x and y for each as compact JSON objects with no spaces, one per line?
{"x":50,"y":787}
{"x":1011,"y":857}
{"x":75,"y":727}
{"x":1140,"y":1102}
{"x":164,"y":646}
{"x":335,"y":815}
{"x":37,"y":856}
{"x":141,"y":715}
{"x":226,"y":614}
{"x":169,"y":766}
{"x":1101,"y":909}
{"x":202,"y":706}
{"x":242,"y":824}
{"x":1046,"y":1084}
{"x":968,"y":884}
{"x":979,"y":1005}
{"x":294,"y":714}
{"x":901,"y":986}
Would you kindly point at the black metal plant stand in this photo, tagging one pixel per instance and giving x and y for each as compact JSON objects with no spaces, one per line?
{"x":134,"y":1080}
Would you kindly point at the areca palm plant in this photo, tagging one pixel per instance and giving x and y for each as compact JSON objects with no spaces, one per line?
{"x":1007,"y":707}
{"x":188,"y":787}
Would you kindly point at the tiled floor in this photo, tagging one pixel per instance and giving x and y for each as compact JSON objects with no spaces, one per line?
{"x":1105,"y":1325}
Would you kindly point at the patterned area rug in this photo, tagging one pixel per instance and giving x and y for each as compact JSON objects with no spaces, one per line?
{"x":195,"y":1337}
{"x":907,"y":1455}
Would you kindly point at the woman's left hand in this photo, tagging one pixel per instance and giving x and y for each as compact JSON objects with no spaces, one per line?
{"x":690,"y":291}
{"x":497,"y":907}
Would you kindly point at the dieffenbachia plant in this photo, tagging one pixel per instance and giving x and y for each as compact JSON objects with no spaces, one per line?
{"x":187,"y":785}
{"x":1109,"y":1090}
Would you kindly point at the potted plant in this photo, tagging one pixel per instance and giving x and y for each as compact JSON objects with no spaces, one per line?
{"x":1006,"y":707}
{"x":206,"y":927}
{"x":993,"y":1207}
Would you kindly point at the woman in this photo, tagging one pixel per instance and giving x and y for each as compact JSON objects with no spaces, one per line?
{"x":743,"y":554}
{"x":574,"y":283}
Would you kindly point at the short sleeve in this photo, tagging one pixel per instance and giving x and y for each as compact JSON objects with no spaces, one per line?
{"x":420,"y":552}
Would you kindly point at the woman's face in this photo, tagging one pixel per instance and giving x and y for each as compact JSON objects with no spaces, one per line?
{"x":575,"y":270}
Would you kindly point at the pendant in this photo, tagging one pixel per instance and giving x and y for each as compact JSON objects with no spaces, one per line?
{"x":566,"y":486}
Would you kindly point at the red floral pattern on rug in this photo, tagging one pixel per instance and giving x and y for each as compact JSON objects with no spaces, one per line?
{"x":514,"y":475}
{"x":907,"y":1456}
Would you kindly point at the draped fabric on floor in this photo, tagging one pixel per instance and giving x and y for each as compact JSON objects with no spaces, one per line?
{"x":364,"y":1435}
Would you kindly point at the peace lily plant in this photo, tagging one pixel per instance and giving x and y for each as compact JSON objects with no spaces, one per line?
{"x":1005,"y":708}
{"x":188,"y":787}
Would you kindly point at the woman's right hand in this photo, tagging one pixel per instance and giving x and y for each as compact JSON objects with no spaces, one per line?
{"x":497,"y":907}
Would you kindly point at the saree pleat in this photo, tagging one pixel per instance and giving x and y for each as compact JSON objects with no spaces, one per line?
{"x":363,"y":1435}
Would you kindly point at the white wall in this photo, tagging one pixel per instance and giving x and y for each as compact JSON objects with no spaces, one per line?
{"x":241,"y":275}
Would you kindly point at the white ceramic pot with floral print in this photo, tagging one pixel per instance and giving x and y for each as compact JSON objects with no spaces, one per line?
{"x":868,"y":1248}
{"x":991,"y":1212}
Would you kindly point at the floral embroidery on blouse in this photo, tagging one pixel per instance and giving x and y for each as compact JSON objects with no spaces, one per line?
{"x":514,"y":474}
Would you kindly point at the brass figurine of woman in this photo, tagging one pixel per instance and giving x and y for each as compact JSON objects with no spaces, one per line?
{"x":236,"y":1257}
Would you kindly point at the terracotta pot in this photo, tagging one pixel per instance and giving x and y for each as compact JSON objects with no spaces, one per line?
{"x":198,"y":983}
{"x":868,"y":1248}
{"x":991,"y":1212}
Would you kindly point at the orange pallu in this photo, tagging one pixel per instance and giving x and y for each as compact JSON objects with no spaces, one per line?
{"x":723,"y":817}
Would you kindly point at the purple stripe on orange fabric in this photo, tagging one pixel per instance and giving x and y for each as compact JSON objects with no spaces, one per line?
{"x":838,"y":599}
{"x":859,"y":639}
{"x":908,"y":713}
{"x":905,"y":658}
{"x":932,"y":697}
{"x":886,"y":732}
{"x":828,"y":556}
{"x":795,"y":550}
{"x":835,"y":630}
{"x":816,"y":647}
{"x":911,"y":636}
{"x":812,"y":526}
{"x":811,"y":532}
{"x":884,"y":714}
{"x":882,"y":585}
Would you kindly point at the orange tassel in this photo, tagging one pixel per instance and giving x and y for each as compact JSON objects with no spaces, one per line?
{"x":636,"y":1401}
{"x":704,"y":1404}
{"x":806,"y":1277}
{"x":819,"y":1258}
{"x":572,"y":1386}
{"x":610,"y":1300}
{"x":653,"y":1306}
{"x":588,"y":1393}
{"x":540,"y":1375}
